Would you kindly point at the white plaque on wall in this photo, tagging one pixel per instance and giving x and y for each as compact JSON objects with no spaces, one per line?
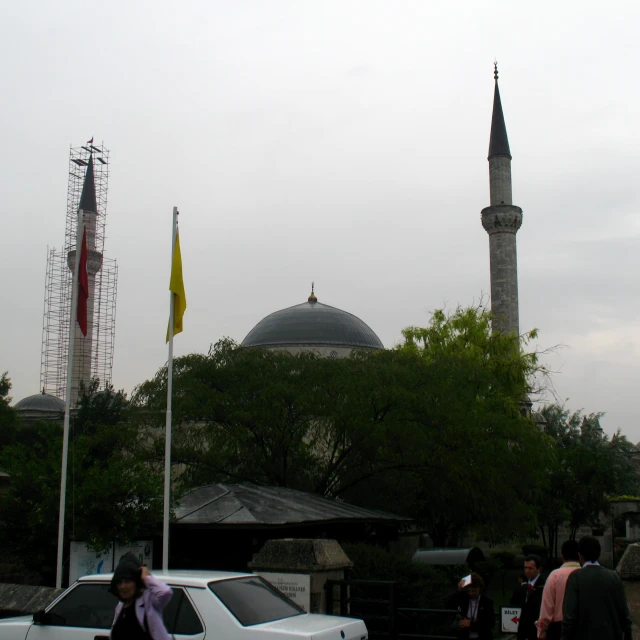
{"x":296,"y":586}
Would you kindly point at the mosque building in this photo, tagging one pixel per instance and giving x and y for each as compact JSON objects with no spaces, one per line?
{"x":327,"y":331}
{"x":331,"y":332}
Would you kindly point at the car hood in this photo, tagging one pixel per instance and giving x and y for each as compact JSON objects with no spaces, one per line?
{"x":318,"y":627}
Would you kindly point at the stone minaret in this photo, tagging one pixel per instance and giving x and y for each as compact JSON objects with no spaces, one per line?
{"x":83,"y":344}
{"x":501,"y":221}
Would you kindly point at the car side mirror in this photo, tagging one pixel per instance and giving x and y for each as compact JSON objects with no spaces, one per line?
{"x":41,"y":617}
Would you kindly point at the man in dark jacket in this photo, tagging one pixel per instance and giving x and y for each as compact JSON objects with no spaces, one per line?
{"x":595,"y":606}
{"x":476,"y":615}
{"x":529,"y":598}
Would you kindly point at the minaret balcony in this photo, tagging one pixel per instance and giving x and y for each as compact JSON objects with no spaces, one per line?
{"x":502,"y":218}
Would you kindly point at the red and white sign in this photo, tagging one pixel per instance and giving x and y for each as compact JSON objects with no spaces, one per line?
{"x":510,"y":616}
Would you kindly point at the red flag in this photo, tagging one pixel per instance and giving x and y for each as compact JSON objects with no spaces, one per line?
{"x":83,"y":286}
{"x":90,"y":141}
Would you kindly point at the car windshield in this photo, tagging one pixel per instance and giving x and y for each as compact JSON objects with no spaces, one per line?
{"x":254,"y":600}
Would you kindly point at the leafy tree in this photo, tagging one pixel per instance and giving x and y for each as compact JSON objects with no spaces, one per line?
{"x":432,"y":429}
{"x":270,"y":417}
{"x":8,"y":417}
{"x":113,"y":492}
{"x":475,"y":461}
{"x":589,"y":468}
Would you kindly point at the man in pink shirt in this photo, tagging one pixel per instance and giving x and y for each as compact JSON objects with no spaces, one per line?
{"x":550,"y":622}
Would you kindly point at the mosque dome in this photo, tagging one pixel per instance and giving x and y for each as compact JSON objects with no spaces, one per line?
{"x":41,"y":406}
{"x":312,"y":324}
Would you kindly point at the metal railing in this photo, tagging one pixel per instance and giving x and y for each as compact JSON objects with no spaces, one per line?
{"x":375,"y":602}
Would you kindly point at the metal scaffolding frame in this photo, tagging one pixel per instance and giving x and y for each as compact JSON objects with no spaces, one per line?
{"x":58,"y":282}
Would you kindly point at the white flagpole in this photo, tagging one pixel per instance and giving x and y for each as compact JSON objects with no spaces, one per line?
{"x":167,"y":446}
{"x":65,"y":433}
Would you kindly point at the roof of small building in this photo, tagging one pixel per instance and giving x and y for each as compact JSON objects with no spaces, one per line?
{"x":44,"y":402}
{"x":250,"y":505}
{"x":312,"y":323}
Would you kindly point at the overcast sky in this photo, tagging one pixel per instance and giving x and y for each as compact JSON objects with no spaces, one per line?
{"x":341,"y":141}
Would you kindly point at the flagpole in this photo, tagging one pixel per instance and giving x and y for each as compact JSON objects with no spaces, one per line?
{"x":65,"y":433}
{"x":167,"y":445}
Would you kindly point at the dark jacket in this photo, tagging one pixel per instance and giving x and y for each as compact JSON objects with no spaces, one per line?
{"x":529,"y":604}
{"x":485,"y":620}
{"x":595,"y":606}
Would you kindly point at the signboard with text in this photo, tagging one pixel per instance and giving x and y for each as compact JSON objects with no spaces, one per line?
{"x":510,"y":617}
{"x":296,"y":586}
{"x":84,"y":561}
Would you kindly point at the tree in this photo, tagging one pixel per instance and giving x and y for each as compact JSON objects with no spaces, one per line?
{"x":8,"y":416}
{"x":113,"y":493}
{"x":589,"y":467}
{"x":270,"y":417}
{"x":432,"y":429}
{"x":478,"y":460}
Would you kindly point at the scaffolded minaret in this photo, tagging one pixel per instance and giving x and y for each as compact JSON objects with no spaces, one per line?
{"x":82,"y":351}
{"x":93,"y":353}
{"x":501,"y":221}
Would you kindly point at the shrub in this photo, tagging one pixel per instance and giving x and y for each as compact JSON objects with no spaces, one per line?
{"x":419,"y":585}
{"x":537,"y":549}
{"x":505,"y":558}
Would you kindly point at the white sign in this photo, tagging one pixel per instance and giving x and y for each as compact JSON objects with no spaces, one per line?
{"x":510,"y":617}
{"x":141,"y":549}
{"x":85,"y":562}
{"x":296,"y":586}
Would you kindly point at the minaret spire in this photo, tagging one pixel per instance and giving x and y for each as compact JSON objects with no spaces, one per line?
{"x":498,"y":141}
{"x":501,"y":221}
{"x":88,"y":198}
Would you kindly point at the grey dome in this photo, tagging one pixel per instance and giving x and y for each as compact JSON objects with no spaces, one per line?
{"x":40,"y":402}
{"x":312,"y":323}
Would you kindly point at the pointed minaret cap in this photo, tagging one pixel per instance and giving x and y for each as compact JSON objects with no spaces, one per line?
{"x":312,"y":298}
{"x":498,"y":141}
{"x":88,"y":197}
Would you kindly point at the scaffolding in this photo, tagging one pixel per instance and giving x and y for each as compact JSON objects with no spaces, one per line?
{"x":58,"y":282}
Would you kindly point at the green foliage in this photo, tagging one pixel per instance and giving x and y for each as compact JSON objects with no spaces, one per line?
{"x":419,"y":585}
{"x":506,"y":559}
{"x":8,"y":416}
{"x":536,"y":549}
{"x":431,"y":429}
{"x":113,"y":492}
{"x":589,"y":467}
{"x":482,"y":460}
{"x":270,"y":417}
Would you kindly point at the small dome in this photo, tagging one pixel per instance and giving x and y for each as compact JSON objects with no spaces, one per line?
{"x":312,"y":323}
{"x":538,"y":418}
{"x":40,"y":402}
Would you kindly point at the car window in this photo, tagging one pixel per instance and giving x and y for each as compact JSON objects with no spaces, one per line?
{"x":254,"y":600}
{"x":180,"y":616}
{"x":88,"y":605}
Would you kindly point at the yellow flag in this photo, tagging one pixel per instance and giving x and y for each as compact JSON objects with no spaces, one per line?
{"x":176,"y":285}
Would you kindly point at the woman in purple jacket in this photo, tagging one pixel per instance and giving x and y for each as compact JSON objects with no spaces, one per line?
{"x":142,"y":598}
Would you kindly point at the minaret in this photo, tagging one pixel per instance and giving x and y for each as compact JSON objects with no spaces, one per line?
{"x":501,"y":221}
{"x":83,"y":344}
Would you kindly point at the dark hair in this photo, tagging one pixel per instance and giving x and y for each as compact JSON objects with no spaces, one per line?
{"x":476,"y":581}
{"x":570,"y":550}
{"x":532,"y":557}
{"x":589,"y":548}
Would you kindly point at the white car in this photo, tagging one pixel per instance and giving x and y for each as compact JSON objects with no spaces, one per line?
{"x":205,"y":604}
